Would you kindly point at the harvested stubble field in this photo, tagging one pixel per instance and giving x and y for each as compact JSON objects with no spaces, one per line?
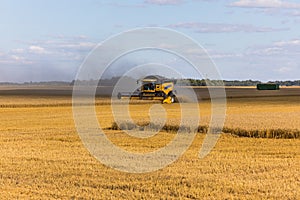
{"x":42,"y":156}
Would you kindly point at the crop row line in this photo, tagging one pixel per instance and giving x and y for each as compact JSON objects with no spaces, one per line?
{"x":259,"y":133}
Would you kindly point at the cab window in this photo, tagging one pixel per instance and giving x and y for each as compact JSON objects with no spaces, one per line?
{"x":149,"y":86}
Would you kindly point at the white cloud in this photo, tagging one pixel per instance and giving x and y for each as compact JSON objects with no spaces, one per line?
{"x":17,"y":58}
{"x":78,"y":45}
{"x":266,"y":51}
{"x":265,"y":4}
{"x":164,"y":2}
{"x":284,"y":69}
{"x":295,"y":13}
{"x":37,"y":49}
{"x":64,"y":37}
{"x":10,"y":58}
{"x":226,"y":55}
{"x":19,"y":50}
{"x":56,"y":49}
{"x":295,"y":42}
{"x":222,"y":28}
{"x":214,"y":54}
{"x":280,"y":55}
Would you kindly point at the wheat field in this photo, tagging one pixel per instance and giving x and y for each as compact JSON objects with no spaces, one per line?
{"x":42,"y":156}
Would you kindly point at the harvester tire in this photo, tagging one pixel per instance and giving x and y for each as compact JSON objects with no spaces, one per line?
{"x":173,"y":97}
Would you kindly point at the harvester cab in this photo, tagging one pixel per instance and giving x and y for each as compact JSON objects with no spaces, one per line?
{"x":154,"y":87}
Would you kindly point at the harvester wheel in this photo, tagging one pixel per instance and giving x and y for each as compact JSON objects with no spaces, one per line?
{"x":173,"y":97}
{"x":167,"y":100}
{"x":170,"y":98}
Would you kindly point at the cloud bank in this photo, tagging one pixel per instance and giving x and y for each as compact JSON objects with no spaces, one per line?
{"x":265,"y":4}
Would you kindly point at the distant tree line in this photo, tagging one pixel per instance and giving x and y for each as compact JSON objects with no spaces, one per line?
{"x":205,"y":82}
{"x":193,"y":82}
{"x":196,"y":82}
{"x":103,"y":82}
{"x":60,"y":83}
{"x":254,"y":83}
{"x":287,"y":83}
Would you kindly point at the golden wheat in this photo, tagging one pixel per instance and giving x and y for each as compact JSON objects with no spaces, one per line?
{"x":42,"y":156}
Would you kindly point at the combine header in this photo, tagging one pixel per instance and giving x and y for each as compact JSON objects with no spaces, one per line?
{"x":154,"y":87}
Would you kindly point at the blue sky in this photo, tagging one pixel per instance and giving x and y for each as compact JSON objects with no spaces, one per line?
{"x":247,"y":39}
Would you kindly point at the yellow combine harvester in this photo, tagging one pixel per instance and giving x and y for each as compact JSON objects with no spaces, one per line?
{"x":154,"y":87}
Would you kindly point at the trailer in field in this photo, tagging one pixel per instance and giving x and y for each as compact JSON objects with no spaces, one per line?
{"x":267,"y":86}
